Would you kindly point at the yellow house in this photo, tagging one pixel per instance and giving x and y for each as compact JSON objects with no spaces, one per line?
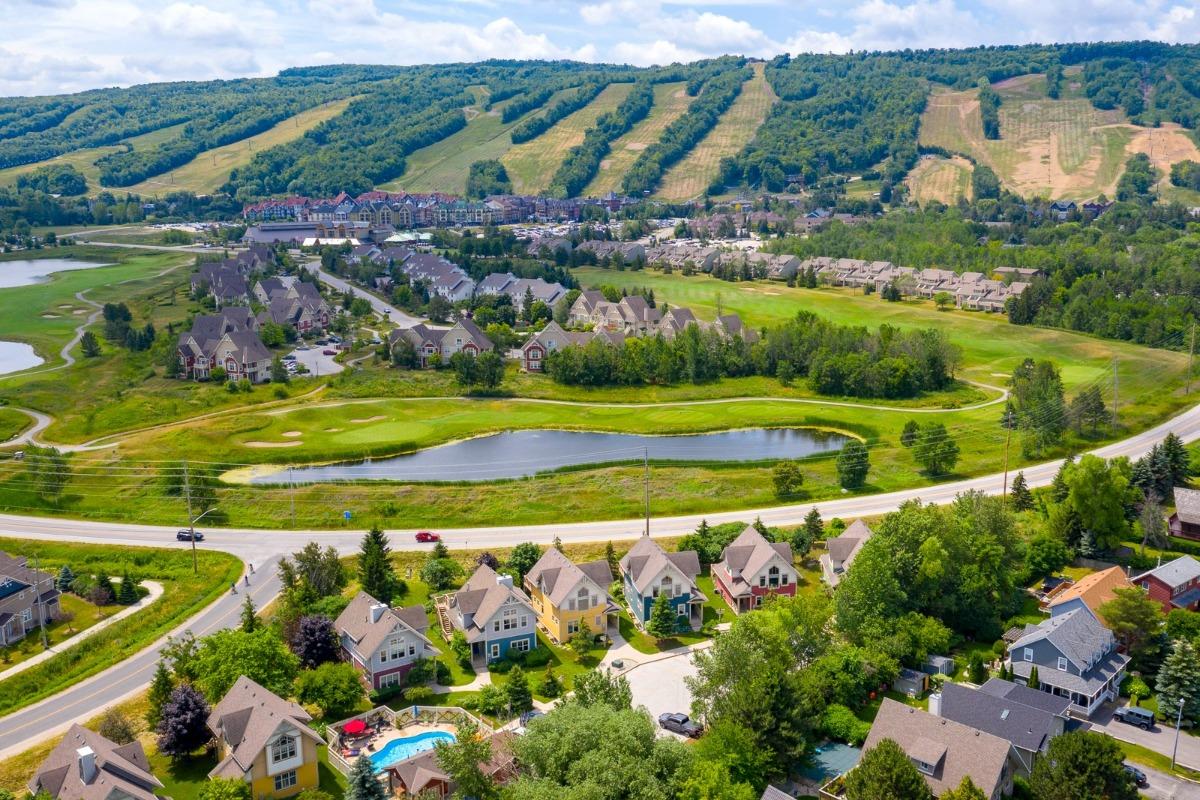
{"x":265,"y":741}
{"x":565,"y":594}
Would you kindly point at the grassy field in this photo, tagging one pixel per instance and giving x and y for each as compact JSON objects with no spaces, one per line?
{"x":1057,"y":148}
{"x":691,"y":176}
{"x":207,"y":171}
{"x":944,"y":180}
{"x":443,"y":166}
{"x":85,"y":160}
{"x":532,"y":164}
{"x":670,"y":101}
{"x":183,"y":595}
{"x":12,"y":423}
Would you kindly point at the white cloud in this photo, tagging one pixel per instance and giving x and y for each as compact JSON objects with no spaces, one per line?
{"x":196,"y":23}
{"x":657,"y":52}
{"x":809,"y":41}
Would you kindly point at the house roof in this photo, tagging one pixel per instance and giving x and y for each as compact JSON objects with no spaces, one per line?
{"x":473,"y":332}
{"x":121,"y":769}
{"x":558,"y":576}
{"x":368,"y":634}
{"x":1034,"y":698}
{"x":771,"y":793}
{"x":483,"y":595}
{"x":1027,"y":727}
{"x":1174,"y":573}
{"x":842,"y":547}
{"x":954,"y":750}
{"x":1187,"y":505}
{"x":1095,"y":589}
{"x":646,"y":559}
{"x":246,"y":719}
{"x":419,"y":771}
{"x":1087,"y":684}
{"x":747,"y":555}
{"x":1078,"y":635}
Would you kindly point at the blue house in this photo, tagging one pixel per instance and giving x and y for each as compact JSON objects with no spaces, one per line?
{"x":648,"y":571}
{"x":493,"y":615}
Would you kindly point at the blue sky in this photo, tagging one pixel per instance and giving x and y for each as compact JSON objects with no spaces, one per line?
{"x":54,"y":46}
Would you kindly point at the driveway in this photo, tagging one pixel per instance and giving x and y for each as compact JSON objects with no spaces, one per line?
{"x":1160,"y":739}
{"x":658,"y":685}
{"x":378,"y":305}
{"x":318,"y":364}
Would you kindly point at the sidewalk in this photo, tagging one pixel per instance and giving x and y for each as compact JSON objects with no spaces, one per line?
{"x":155,"y":590}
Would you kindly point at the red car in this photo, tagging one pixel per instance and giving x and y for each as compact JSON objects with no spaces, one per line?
{"x":428,"y":536}
{"x":329,"y":352}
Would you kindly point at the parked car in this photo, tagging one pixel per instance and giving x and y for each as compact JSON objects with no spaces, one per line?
{"x":186,"y":535}
{"x":322,"y":341}
{"x":1132,"y":715}
{"x":1138,"y":776}
{"x":328,"y":352}
{"x":428,"y":536}
{"x":681,"y":724}
{"x":290,"y":357}
{"x":529,"y":716}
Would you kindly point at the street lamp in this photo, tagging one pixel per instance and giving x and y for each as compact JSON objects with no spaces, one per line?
{"x":192,"y":531}
{"x":1178,"y":724}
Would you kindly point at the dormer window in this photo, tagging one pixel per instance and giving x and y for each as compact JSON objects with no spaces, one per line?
{"x":1062,"y":664}
{"x":283,"y":749}
{"x":922,"y":767}
{"x":1028,"y":654}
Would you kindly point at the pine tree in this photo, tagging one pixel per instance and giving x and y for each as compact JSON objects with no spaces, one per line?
{"x":161,"y":686}
{"x":662,"y":618}
{"x":362,"y":783}
{"x":1022,"y":498}
{"x":610,"y":555}
{"x":558,"y":545}
{"x":375,"y":572}
{"x":1179,"y":678}
{"x":762,"y":529}
{"x":103,"y":591}
{"x":127,"y":594}
{"x":813,"y":525}
{"x":1033,"y":682}
{"x":66,"y":577}
{"x":1178,"y":459}
{"x":249,"y":615}
{"x":1058,"y":487}
{"x":517,"y":692}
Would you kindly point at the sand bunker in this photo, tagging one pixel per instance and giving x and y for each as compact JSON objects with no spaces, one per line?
{"x":49,"y":316}
{"x":375,"y":418}
{"x":273,"y":444}
{"x":333,"y":430}
{"x":291,"y":434}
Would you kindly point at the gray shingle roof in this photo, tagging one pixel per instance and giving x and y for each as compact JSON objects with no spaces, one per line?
{"x":246,"y":718}
{"x":647,"y":558}
{"x":841,"y":547}
{"x":1044,"y":701}
{"x":1077,"y":635}
{"x":1087,"y":684}
{"x":1174,"y":573}
{"x":355,"y":621}
{"x":559,"y":576}
{"x":1025,"y":726}
{"x":120,"y":769}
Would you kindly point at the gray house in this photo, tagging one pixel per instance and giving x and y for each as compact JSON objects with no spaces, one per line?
{"x":1026,"y":718}
{"x":1076,"y":658}
{"x":27,"y":598}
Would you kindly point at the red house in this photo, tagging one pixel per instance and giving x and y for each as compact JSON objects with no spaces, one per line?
{"x":752,"y":569}
{"x":1175,"y":584}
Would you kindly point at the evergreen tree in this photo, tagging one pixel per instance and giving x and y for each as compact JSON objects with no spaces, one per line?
{"x":66,"y":577}
{"x":517,"y":692}
{"x":90,"y":345}
{"x":127,"y":594}
{"x":375,"y":572}
{"x":759,"y":526}
{"x":1022,"y":498}
{"x":1179,"y":678}
{"x":662,"y":618}
{"x":161,"y":686}
{"x":1178,"y":460}
{"x":976,"y":672}
{"x":885,"y":772}
{"x":362,"y":783}
{"x":813,"y":526}
{"x":249,"y":615}
{"x":1033,"y":682}
{"x":1058,"y":487}
{"x":610,"y":555}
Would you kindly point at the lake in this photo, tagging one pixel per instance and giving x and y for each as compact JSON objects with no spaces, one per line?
{"x":520,"y":454}
{"x":16,"y":356}
{"x":38,"y":270}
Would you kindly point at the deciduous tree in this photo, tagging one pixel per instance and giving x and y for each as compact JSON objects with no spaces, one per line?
{"x":333,"y":687}
{"x":314,"y":640}
{"x":885,"y":772}
{"x":183,"y":726}
{"x":853,"y":463}
{"x":603,"y":686}
{"x":262,"y":656}
{"x":1082,"y":764}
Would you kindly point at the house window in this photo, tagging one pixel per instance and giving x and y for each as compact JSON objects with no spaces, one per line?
{"x":394,"y":649}
{"x":391,"y":679}
{"x":27,"y":614}
{"x":285,"y":780}
{"x":283,"y":749}
{"x":495,"y":651}
{"x":1028,"y":654}
{"x":1062,"y":664}
{"x":922,"y":767}
{"x":783,"y":579}
{"x":520,"y":645}
{"x":572,"y":628}
{"x":773,"y":576}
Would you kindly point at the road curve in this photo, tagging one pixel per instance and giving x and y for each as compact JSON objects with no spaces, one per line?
{"x":378,"y":305}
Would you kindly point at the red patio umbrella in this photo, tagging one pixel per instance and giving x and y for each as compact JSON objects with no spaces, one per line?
{"x":354,"y":726}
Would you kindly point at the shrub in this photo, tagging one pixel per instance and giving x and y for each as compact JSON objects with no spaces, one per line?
{"x":840,"y":724}
{"x":419,"y":695}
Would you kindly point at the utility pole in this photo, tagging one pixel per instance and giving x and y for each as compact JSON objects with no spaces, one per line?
{"x":1191,"y":358}
{"x":1007,"y":440}
{"x":40,"y":607}
{"x":646,"y":484}
{"x":187,"y":491}
{"x":292,"y":481}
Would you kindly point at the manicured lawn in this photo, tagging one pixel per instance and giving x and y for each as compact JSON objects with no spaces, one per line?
{"x":184,"y":594}
{"x":644,"y":643}
{"x":83,"y":615}
{"x":1155,"y":760}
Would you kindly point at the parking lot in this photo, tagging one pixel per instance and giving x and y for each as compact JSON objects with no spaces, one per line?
{"x":658,"y":685}
{"x":317,"y":362}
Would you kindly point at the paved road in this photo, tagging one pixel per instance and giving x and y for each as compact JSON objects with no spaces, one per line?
{"x":1167,"y":787}
{"x":82,"y":701}
{"x":378,"y":305}
{"x":1159,"y":739}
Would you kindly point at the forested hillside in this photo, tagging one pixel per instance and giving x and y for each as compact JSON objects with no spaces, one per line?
{"x":835,"y":115}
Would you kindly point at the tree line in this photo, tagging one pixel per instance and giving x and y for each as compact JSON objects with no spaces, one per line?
{"x":583,"y":160}
{"x":834,"y":359}
{"x":536,"y":126}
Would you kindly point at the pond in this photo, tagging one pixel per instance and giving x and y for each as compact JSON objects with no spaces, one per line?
{"x":16,"y":356}
{"x":25,"y":272}
{"x":520,"y":454}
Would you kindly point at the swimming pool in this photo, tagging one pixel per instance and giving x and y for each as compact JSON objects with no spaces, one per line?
{"x":398,"y":750}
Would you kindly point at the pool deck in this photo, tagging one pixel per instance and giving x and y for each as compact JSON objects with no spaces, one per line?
{"x":381,"y":740}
